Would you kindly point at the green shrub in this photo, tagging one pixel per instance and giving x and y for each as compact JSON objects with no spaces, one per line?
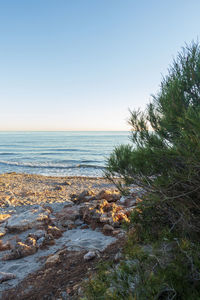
{"x":161,"y":257}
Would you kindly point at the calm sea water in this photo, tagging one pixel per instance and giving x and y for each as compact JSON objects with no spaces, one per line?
{"x":58,"y":153}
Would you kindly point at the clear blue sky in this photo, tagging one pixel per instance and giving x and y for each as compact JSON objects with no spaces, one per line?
{"x":80,"y":64}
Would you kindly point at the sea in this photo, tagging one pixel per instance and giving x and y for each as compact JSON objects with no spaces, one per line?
{"x":63,"y":153}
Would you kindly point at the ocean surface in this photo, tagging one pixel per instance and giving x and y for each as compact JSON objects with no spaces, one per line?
{"x":58,"y":153}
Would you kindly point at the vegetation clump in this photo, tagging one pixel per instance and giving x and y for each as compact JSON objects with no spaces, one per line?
{"x":161,"y":259}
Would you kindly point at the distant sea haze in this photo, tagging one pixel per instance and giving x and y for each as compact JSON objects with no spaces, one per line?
{"x":74,"y":153}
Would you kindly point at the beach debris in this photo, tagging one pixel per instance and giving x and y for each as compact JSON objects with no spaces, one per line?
{"x":6,"y":276}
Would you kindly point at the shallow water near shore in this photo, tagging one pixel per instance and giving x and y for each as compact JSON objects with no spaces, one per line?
{"x":76,"y":153}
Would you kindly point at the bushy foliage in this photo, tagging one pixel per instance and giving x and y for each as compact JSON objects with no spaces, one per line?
{"x":162,"y":255}
{"x":165,"y":155}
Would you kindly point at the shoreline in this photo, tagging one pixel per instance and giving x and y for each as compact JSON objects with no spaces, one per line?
{"x":17,"y":189}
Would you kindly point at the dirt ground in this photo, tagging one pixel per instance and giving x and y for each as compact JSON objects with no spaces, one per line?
{"x":64,"y":279}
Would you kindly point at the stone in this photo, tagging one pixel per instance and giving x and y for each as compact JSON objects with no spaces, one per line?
{"x":68,"y":213}
{"x":78,"y":222}
{"x":72,"y":226}
{"x":108,"y":195}
{"x":107,"y":228}
{"x":117,"y":257}
{"x":37,"y":234}
{"x":122,"y":200}
{"x":4,"y":217}
{"x":58,"y":188}
{"x":31,"y":242}
{"x":4,"y":246}
{"x":21,"y":250}
{"x":2,"y":231}
{"x":90,"y":255}
{"x":53,"y":259}
{"x":127,"y":201}
{"x":55,"y":231}
{"x":6,"y":276}
{"x":84,"y":226}
{"x":48,"y":240}
{"x":66,"y":223}
{"x":28,"y":219}
{"x":86,"y":195}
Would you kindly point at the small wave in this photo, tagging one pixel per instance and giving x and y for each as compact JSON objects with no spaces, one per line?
{"x":48,"y":166}
{"x":7,"y":153}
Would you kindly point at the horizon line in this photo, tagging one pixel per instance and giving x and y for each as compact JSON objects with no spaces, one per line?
{"x":60,"y":130}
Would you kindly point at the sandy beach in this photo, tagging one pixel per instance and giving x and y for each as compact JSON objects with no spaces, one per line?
{"x":57,"y":225}
{"x":28,"y":189}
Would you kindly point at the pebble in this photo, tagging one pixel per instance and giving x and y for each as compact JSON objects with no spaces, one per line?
{"x":90,"y":255}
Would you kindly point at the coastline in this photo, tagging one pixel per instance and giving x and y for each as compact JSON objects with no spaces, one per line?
{"x":17,"y":189}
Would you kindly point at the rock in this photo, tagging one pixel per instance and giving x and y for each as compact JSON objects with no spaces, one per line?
{"x":48,"y":240}
{"x":4,"y":217}
{"x":90,"y":255}
{"x":58,"y":188}
{"x":28,"y":219}
{"x":21,"y":250}
{"x":40,"y":242}
{"x":6,"y":276}
{"x":72,"y":226}
{"x":127,"y":201}
{"x":53,"y":259}
{"x":78,"y":222}
{"x":31,"y":242}
{"x":37,"y":234}
{"x":117,"y":257}
{"x":68,"y":213}
{"x":108,"y":195}
{"x":104,"y":218}
{"x":55,"y":231}
{"x":85,"y":196}
{"x":107,"y":228}
{"x":66,"y":223}
{"x":4,"y":246}
{"x":84,"y":226}
{"x":122,"y":200}
{"x":2,"y":231}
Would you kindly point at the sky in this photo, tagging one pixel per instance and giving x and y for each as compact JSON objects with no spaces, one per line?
{"x":81,"y":64}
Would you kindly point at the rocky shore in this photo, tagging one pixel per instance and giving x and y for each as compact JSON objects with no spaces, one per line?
{"x":53,"y":231}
